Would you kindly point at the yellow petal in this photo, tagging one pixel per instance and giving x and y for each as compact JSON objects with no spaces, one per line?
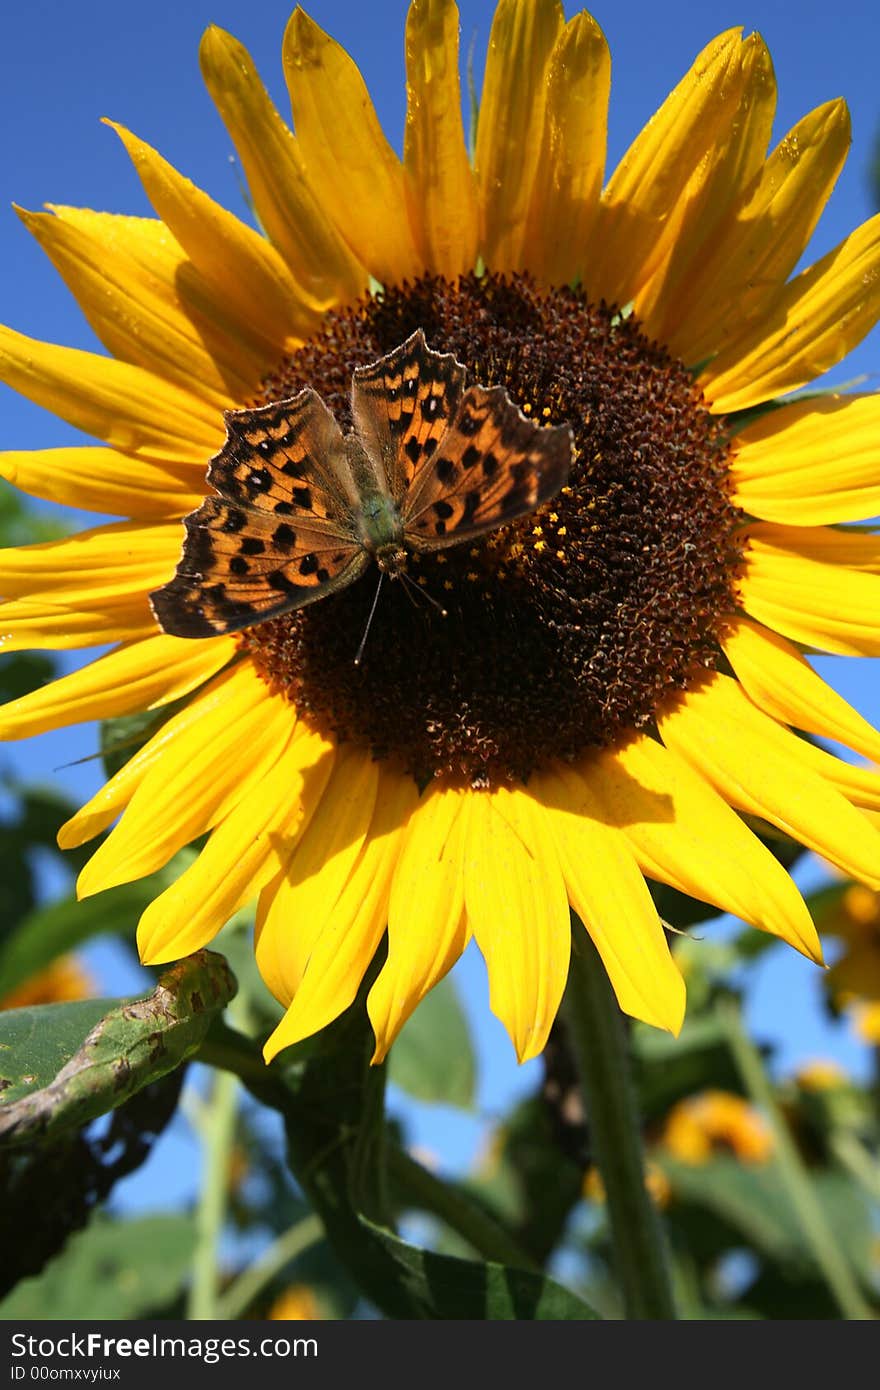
{"x":102,"y":480}
{"x":518,"y":910}
{"x":782,"y":683}
{"x":108,"y":565}
{"x":648,"y":194}
{"x":761,"y":768}
{"x":733,"y":159}
{"x":136,"y":320}
{"x":852,"y":548}
{"x":427,"y":930}
{"x":314,"y":870}
{"x":346,"y":155}
{"x":860,"y":785}
{"x":571,"y":164}
{"x":761,"y":239}
{"x":233,"y":258}
{"x":240,"y":356}
{"x":609,"y":894}
{"x":88,"y":590}
{"x":683,"y":834}
{"x":511,"y":125}
{"x":106,"y":804}
{"x":321,"y":264}
{"x":126,"y":406}
{"x":821,"y":605}
{"x":440,"y":185}
{"x":811,"y":323}
{"x":241,"y":855}
{"x":26,"y":624}
{"x":200,"y":778}
{"x":145,"y":675}
{"x":353,"y":924}
{"x":812,"y":462}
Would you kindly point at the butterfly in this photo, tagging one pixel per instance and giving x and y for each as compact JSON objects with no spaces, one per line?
{"x":302,"y":509}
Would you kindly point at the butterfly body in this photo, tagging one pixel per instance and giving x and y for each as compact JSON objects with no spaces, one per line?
{"x":381,"y":528}
{"x":303,"y":510}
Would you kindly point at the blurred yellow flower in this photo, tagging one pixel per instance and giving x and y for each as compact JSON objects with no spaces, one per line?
{"x":854,"y":980}
{"x":298,"y":1303}
{"x":866,"y":1021}
{"x":64,"y":980}
{"x":821,"y":1075}
{"x":715,"y":1122}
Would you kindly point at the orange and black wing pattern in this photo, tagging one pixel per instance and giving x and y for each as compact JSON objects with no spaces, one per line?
{"x":491,"y":466}
{"x":280,"y":533}
{"x":402,"y":405}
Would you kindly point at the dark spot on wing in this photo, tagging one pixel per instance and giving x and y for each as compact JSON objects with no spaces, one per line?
{"x":471,"y":503}
{"x":279,"y":580}
{"x":445,"y":470}
{"x":284,"y":536}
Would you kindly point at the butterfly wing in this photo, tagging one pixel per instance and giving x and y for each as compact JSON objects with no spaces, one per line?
{"x":402,"y":405}
{"x":283,"y":456}
{"x":280,"y":534}
{"x":490,"y":466}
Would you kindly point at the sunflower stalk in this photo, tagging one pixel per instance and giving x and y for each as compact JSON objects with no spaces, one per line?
{"x":218,"y":1137}
{"x":415,"y":1186}
{"x":603,"y":1059}
{"x":830,"y":1259}
{"x":292,"y":1243}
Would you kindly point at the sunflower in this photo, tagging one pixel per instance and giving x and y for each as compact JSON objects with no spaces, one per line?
{"x":853,"y":982}
{"x":617,"y":690}
{"x":715,"y":1122}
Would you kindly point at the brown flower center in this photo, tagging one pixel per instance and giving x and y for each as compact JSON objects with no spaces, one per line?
{"x":566,"y":629}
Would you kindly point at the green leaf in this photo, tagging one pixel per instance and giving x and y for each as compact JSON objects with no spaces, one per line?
{"x":433,"y":1059}
{"x":440,"y":1286}
{"x":32,"y":825}
{"x":22,"y":672}
{"x":19,"y":525}
{"x":331,"y":1099}
{"x":749,"y":1199}
{"x":51,"y":931}
{"x":35,"y":1043}
{"x":123,"y":736}
{"x":667,"y":1068}
{"x":134,"y":1043}
{"x":113,"y":1270}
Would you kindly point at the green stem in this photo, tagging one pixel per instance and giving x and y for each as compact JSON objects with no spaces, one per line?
{"x":852,"y":1155}
{"x":218,"y":1137}
{"x":834,"y":1267}
{"x":602,"y":1051}
{"x":414,"y":1185}
{"x":293,"y":1242}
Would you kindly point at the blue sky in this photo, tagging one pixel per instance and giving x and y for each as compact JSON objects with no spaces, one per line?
{"x":64,"y":66}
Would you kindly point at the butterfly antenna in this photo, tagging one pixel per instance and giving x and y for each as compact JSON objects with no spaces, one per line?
{"x":360,"y":650}
{"x":411,"y":586}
